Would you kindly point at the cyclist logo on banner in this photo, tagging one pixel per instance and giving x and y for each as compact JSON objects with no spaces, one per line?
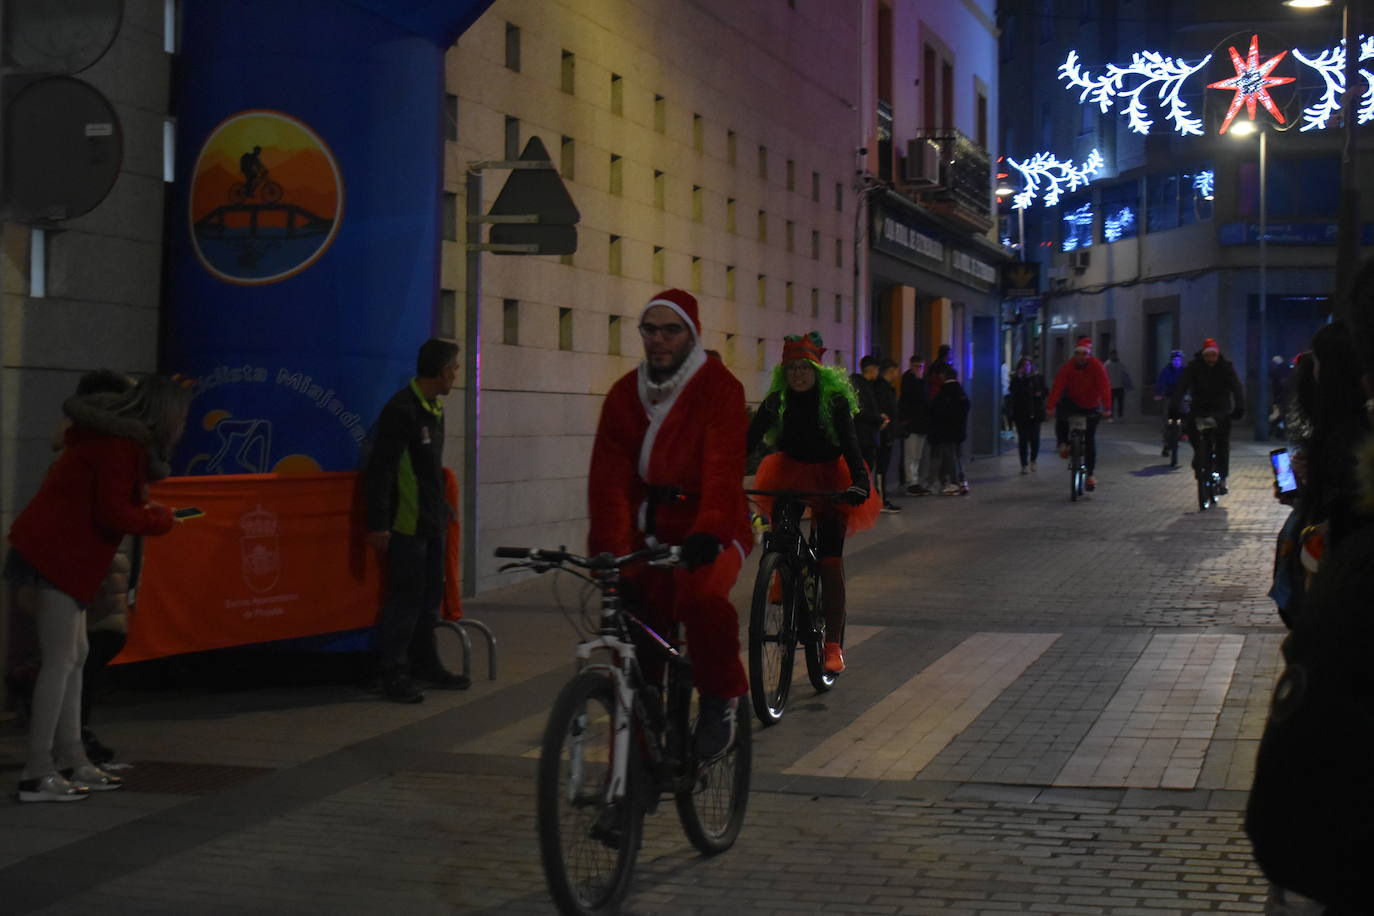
{"x":266,"y":198}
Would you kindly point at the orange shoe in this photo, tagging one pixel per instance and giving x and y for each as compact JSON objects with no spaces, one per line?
{"x":1063,"y":451}
{"x":775,"y":590}
{"x":834,"y":658}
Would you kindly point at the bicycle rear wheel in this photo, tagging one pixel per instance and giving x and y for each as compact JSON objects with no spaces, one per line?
{"x":587,"y":842}
{"x":772,"y":636}
{"x":1075,"y":467}
{"x":711,"y":806}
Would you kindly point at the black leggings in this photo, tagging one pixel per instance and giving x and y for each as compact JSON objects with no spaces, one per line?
{"x":1061,"y":433}
{"x":1028,"y":439}
{"x":830,"y":531}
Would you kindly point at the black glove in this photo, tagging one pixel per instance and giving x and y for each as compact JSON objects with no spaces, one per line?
{"x":1237,"y":413}
{"x":1175,"y":415}
{"x":700,"y":549}
{"x":855,"y":495}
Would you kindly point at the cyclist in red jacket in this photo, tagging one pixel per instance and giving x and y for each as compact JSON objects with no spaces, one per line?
{"x":1082,"y":383}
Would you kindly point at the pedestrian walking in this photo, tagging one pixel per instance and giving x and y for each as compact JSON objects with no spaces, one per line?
{"x":1027,"y":395}
{"x":62,"y":546}
{"x":948,"y":425}
{"x":885,"y":392}
{"x":407,"y":517}
{"x":913,"y":407}
{"x":1120,"y":380}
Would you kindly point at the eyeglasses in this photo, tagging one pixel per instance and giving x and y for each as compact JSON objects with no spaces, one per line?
{"x":668,"y":331}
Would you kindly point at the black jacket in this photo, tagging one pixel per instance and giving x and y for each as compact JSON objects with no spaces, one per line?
{"x":886,"y":397}
{"x":868,"y":421}
{"x":406,"y":495}
{"x":913,"y":405}
{"x":802,"y":438}
{"x":949,"y":414}
{"x":1027,"y":393}
{"x":1216,"y":389}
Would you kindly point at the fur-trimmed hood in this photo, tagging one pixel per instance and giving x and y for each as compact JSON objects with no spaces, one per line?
{"x":93,"y":413}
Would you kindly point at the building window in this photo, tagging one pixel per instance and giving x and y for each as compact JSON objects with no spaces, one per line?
{"x":565,"y":329}
{"x":698,"y":204}
{"x":510,"y":322}
{"x":696,"y":275}
{"x":513,"y":47}
{"x":763,"y":161}
{"x":450,"y":117}
{"x":730,"y":282}
{"x":839,"y":308}
{"x":567,"y":159}
{"x":839,"y":197}
{"x":839,"y":252}
{"x":568,"y":83}
{"x":763,"y":226}
{"x":1161,"y":195}
{"x":613,"y":257}
{"x":660,"y":114}
{"x":698,"y":133}
{"x":790,"y":235}
{"x":1077,"y":225}
{"x":617,"y":182}
{"x":789,"y":303}
{"x":791,"y":175}
{"x":762,"y":299}
{"x":613,"y":335}
{"x":446,"y":322}
{"x":617,"y":94}
{"x":1121,"y":211}
{"x":729,"y":214}
{"x":815,"y":302}
{"x":450,"y":216}
{"x":816,"y":186}
{"x":1196,"y":190}
{"x":760,"y":354}
{"x":660,"y":189}
{"x":815,"y":245}
{"x":731,"y":147}
{"x":658,"y":266}
{"x":512,"y":144}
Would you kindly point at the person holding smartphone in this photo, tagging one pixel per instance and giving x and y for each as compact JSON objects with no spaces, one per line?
{"x":62,"y":545}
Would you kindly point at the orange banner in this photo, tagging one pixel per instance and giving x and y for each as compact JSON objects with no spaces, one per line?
{"x":274,"y":557}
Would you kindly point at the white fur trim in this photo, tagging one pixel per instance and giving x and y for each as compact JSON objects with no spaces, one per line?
{"x":687,"y":319}
{"x":658,"y":412}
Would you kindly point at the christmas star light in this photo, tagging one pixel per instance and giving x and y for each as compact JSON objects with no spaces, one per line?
{"x":1251,"y":83}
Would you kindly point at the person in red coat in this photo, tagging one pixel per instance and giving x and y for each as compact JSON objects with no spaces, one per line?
{"x":668,"y":467}
{"x":62,"y":545}
{"x":1082,"y":383}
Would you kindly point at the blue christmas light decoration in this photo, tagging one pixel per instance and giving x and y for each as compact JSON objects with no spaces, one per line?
{"x":1115,"y":225}
{"x":1331,"y":65}
{"x":1078,"y":232}
{"x":1203,"y":183}
{"x":1059,"y":177}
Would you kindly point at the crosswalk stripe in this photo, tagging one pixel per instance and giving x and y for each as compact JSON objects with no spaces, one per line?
{"x":1156,"y":729}
{"x":902,"y":733}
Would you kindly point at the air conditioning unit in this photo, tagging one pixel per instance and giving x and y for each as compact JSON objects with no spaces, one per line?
{"x":925,"y":163}
{"x":1080,"y":259}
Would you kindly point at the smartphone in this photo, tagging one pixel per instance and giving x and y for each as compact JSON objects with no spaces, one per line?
{"x":1284,"y":477}
{"x":186,"y":512}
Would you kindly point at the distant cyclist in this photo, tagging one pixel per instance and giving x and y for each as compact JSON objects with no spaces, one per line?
{"x":253,"y":170}
{"x":1212,"y":381}
{"x":1082,"y":383}
{"x":1164,"y":390}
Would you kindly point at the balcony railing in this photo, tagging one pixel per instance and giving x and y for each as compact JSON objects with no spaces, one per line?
{"x":951,"y":174}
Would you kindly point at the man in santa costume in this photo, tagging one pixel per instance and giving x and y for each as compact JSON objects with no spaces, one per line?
{"x":668,"y":467}
{"x":1083,"y":384}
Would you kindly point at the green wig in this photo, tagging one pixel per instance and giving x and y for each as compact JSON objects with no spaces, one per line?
{"x":831,"y":381}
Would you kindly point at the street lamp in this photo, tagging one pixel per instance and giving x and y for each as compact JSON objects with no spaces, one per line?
{"x":1244,"y":129}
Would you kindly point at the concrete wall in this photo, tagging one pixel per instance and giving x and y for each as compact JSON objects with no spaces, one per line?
{"x":778,"y":77}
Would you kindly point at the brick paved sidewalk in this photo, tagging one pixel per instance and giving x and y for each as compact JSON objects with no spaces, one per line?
{"x":1051,"y":708}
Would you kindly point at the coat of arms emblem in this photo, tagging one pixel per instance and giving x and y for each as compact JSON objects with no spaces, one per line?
{"x":258,"y":549}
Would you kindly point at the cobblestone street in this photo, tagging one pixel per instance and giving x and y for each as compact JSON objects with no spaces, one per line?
{"x":1050,"y":707}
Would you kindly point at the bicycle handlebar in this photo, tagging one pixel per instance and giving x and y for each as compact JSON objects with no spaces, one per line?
{"x":599,"y":562}
{"x":797,"y":494}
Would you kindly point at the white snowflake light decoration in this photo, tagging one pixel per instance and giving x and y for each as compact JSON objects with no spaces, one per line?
{"x":1153,"y":69}
{"x":1059,"y":177}
{"x":1204,"y":182}
{"x":1330,"y":64}
{"x":1113,"y":227}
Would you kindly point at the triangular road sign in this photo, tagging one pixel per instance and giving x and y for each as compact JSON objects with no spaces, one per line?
{"x":540,"y":192}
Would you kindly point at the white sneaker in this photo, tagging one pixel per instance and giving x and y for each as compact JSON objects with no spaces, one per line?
{"x":51,"y":788}
{"x":949,"y":489}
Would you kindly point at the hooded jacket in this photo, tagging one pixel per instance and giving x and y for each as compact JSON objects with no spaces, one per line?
{"x":1085,"y":386}
{"x":93,"y":495}
{"x":1215,"y":389}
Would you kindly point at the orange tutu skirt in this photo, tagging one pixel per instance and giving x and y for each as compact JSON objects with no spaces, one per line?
{"x":778,"y":472}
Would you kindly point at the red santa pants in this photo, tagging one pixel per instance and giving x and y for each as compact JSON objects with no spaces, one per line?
{"x":700,"y":598}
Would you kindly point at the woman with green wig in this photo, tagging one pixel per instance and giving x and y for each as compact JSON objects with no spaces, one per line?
{"x":807,"y":417}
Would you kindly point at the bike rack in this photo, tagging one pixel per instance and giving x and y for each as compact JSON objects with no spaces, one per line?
{"x":457,"y":627}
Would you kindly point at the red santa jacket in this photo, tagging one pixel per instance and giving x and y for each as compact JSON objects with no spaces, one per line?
{"x":693,"y":441}
{"x":1086,"y":386}
{"x":94,"y":494}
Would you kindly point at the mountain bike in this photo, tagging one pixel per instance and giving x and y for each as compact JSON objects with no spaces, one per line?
{"x":618,"y":738}
{"x":787,"y":606}
{"x":1208,"y":479}
{"x":263,"y":188}
{"x":1078,"y":455}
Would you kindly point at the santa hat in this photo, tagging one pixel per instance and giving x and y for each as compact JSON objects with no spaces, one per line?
{"x":798,"y":347}
{"x":1210,"y":344}
{"x":682,"y":302}
{"x":1085,"y":344}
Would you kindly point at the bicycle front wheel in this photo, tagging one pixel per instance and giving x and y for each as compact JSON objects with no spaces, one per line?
{"x":772,"y":636}
{"x":814,"y":640}
{"x":711,"y":807}
{"x":588,"y":841}
{"x":270,"y":192}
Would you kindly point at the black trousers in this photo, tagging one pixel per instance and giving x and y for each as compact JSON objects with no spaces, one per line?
{"x":1222,"y":436}
{"x":1118,"y":402}
{"x":1061,"y":432}
{"x":415,"y":590}
{"x":1028,"y":440}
